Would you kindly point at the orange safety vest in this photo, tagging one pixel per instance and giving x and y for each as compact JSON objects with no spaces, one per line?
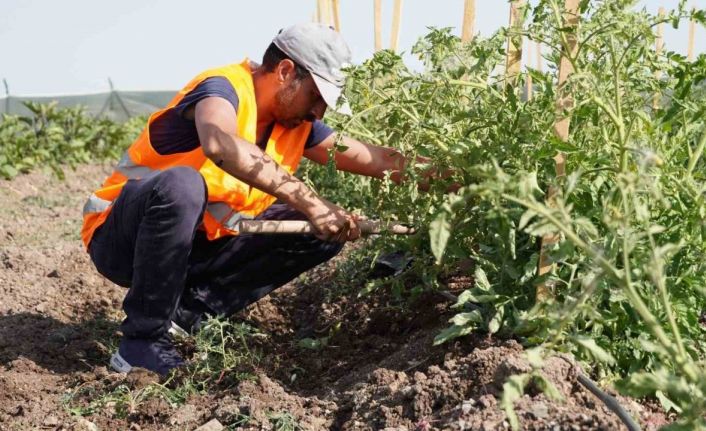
{"x":229,"y":199}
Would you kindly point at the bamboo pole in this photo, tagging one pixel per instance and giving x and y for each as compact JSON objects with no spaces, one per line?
{"x":319,"y":11}
{"x":692,"y":34}
{"x":659,"y":46}
{"x":325,"y":12}
{"x":513,"y":53}
{"x":561,"y":130}
{"x":336,"y":14}
{"x":378,"y":24}
{"x":396,"y":22}
{"x":469,"y":20}
{"x":528,"y":82}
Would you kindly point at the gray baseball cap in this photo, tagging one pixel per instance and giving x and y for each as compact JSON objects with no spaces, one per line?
{"x":322,"y":51}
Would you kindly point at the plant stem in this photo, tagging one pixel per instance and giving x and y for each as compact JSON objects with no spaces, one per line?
{"x":664,"y":296}
{"x":696,"y":154}
{"x":620,"y":124}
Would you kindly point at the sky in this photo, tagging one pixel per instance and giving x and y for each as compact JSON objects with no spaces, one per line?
{"x":74,"y":46}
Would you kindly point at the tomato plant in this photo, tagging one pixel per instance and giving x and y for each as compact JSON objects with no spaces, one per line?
{"x":627,"y":290}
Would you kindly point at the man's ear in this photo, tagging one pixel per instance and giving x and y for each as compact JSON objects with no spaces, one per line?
{"x":285,"y":71}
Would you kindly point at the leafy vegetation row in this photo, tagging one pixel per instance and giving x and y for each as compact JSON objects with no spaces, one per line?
{"x":54,"y":137}
{"x":627,"y":292}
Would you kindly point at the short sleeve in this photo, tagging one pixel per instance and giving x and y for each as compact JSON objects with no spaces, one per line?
{"x":215,"y":86}
{"x":171,"y":133}
{"x":319,"y":132}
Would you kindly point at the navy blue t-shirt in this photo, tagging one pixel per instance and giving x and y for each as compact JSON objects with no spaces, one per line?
{"x":172,"y":133}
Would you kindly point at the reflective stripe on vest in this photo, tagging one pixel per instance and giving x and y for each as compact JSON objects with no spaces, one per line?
{"x":225,"y":215}
{"x":132,"y":170}
{"x":94,"y":204}
{"x":219,"y":210}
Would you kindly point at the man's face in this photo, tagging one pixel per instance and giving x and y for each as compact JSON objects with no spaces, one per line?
{"x":297,"y":99}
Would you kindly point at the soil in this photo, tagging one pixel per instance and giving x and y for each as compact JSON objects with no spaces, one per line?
{"x":375,"y":367}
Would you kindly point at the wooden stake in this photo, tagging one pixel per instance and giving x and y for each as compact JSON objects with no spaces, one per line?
{"x":561,"y":130}
{"x":692,"y":34}
{"x":396,"y":21}
{"x":325,"y":12}
{"x":319,"y":11}
{"x":528,"y":82}
{"x":378,"y":24}
{"x":538,"y":55}
{"x":513,"y":56}
{"x":469,"y":20}
{"x":336,"y":12}
{"x":659,"y":45}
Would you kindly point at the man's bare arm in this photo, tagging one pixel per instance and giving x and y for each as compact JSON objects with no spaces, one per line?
{"x":217,"y":129}
{"x":360,"y":158}
{"x":376,"y":161}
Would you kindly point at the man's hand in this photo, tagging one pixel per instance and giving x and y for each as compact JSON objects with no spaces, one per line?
{"x":333,"y":222}
{"x":432,"y":173}
{"x":377,"y":162}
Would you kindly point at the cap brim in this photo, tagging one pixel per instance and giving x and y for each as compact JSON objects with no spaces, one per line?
{"x":331,"y":94}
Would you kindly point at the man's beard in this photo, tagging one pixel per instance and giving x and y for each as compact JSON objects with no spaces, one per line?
{"x":284,"y":98}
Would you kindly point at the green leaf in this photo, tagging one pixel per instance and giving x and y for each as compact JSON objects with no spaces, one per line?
{"x":481,"y":279}
{"x":463,"y":319}
{"x":439,"y":233}
{"x":76,"y":144}
{"x":599,"y":353}
{"x":8,"y":171}
{"x":667,"y":404}
{"x":541,"y":228}
{"x":513,"y":389}
{"x":528,"y":185}
{"x":535,"y":356}
{"x":496,"y":321}
{"x":476,"y":296}
{"x":527,"y":216}
{"x":312,"y":343}
{"x":463,"y":298}
{"x":547,"y":387}
{"x":452,"y":332}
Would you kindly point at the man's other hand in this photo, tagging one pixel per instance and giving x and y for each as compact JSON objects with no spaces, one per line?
{"x":333,"y":222}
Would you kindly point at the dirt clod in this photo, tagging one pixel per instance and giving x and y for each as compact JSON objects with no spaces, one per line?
{"x":139,"y":378}
{"x":85,"y":425}
{"x":186,"y":414}
{"x":212,"y":425}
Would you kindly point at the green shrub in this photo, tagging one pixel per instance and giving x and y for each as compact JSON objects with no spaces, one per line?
{"x":56,"y":137}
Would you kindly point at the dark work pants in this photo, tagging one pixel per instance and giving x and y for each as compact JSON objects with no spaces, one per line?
{"x":150,"y":243}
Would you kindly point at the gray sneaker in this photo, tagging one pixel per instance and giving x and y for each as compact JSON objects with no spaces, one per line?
{"x":158,"y":355}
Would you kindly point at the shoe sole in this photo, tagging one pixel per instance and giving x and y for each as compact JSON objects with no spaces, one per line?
{"x":119,"y":364}
{"x":177,"y":331}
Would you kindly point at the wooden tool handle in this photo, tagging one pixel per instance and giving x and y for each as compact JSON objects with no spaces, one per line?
{"x":367,"y":227}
